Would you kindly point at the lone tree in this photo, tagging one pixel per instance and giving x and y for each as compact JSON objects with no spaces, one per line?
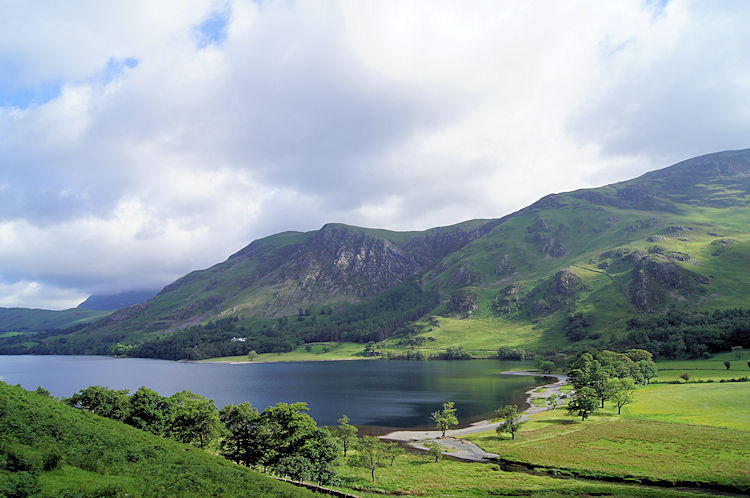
{"x":391,"y":451}
{"x":511,"y":420}
{"x":370,"y":453}
{"x":685,"y":377}
{"x":585,"y":402}
{"x":727,"y":364}
{"x":446,"y":417}
{"x":622,"y":392}
{"x":553,"y":401}
{"x":435,"y":450}
{"x":345,"y":433}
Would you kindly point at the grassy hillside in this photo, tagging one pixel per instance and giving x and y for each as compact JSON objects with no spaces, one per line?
{"x":34,"y":320}
{"x":50,"y":449}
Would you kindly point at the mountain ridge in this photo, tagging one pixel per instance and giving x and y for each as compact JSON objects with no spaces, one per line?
{"x":669,"y":239}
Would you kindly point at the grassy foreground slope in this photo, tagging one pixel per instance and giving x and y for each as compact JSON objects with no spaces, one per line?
{"x":50,"y":449}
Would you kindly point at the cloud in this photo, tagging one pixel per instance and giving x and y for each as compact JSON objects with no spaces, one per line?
{"x":143,"y":140}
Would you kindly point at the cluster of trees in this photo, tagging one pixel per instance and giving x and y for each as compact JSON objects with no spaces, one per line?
{"x":184,"y":416}
{"x":679,"y":334}
{"x":608,"y":375}
{"x":282,"y":439}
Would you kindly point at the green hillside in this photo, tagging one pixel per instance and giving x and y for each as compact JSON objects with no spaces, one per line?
{"x":590,"y":268}
{"x":35,"y":320}
{"x":51,"y":449}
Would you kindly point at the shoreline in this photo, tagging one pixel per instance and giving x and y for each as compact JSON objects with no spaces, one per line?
{"x":465,"y":450}
{"x":238,"y":362}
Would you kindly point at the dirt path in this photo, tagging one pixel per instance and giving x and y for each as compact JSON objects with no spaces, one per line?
{"x":467,"y":450}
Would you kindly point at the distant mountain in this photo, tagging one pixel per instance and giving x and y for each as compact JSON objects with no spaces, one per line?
{"x":593,"y":267}
{"x":111,"y":302}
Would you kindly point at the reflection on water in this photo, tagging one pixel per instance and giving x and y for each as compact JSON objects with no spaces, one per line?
{"x":371,"y":392}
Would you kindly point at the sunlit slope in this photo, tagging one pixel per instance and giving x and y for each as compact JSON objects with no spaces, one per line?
{"x":575,"y":267}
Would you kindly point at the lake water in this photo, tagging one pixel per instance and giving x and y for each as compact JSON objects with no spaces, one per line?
{"x":383,"y":394}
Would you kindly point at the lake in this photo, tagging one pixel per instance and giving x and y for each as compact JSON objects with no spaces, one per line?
{"x":380,"y":394}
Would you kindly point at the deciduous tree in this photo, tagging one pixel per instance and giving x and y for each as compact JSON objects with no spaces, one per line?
{"x":584,"y":403}
{"x":511,"y":420}
{"x":345,"y":433}
{"x":370,"y":453}
{"x":446,"y":417}
{"x":622,"y":392}
{"x":194,"y":419}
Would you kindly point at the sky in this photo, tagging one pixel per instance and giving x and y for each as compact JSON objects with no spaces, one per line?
{"x":142,"y":140}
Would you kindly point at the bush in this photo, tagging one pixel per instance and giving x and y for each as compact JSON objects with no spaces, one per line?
{"x":51,"y":460}
{"x":19,"y":484}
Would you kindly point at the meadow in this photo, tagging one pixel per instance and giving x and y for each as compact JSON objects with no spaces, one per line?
{"x":318,"y":351}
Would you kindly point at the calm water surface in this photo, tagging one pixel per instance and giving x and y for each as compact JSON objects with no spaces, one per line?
{"x":373,"y":393}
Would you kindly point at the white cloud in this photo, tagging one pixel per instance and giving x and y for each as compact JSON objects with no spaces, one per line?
{"x":391,"y":114}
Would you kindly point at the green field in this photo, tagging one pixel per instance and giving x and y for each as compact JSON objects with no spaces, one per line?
{"x":714,"y":368}
{"x":320,"y":351}
{"x":714,"y":404}
{"x":418,"y":475}
{"x":694,"y":432}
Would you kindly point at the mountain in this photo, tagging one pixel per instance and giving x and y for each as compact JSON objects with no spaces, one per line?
{"x":110,"y":302}
{"x":593,"y":267}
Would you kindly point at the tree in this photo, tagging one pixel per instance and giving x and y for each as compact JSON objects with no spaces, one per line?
{"x":622,"y":391}
{"x":149,"y":411}
{"x":546,"y":366}
{"x":243,"y":443}
{"x":294,"y":445}
{"x":511,"y":420}
{"x":194,"y":419}
{"x":370,"y":452}
{"x":648,"y":370}
{"x":105,"y":402}
{"x":685,"y":377}
{"x":582,"y":370}
{"x":737,"y":350}
{"x":392,"y":451}
{"x":345,"y":433}
{"x":313,"y":461}
{"x":435,"y":450}
{"x":601,"y":386}
{"x":446,"y":417}
{"x":727,"y":364}
{"x":553,"y":400}
{"x":584,"y":403}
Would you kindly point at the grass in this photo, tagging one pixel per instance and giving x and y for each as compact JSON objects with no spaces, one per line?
{"x":320,"y":351}
{"x":713,"y":368}
{"x":481,"y":336}
{"x":419,"y":475}
{"x":693,"y":432}
{"x":718,"y":405}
